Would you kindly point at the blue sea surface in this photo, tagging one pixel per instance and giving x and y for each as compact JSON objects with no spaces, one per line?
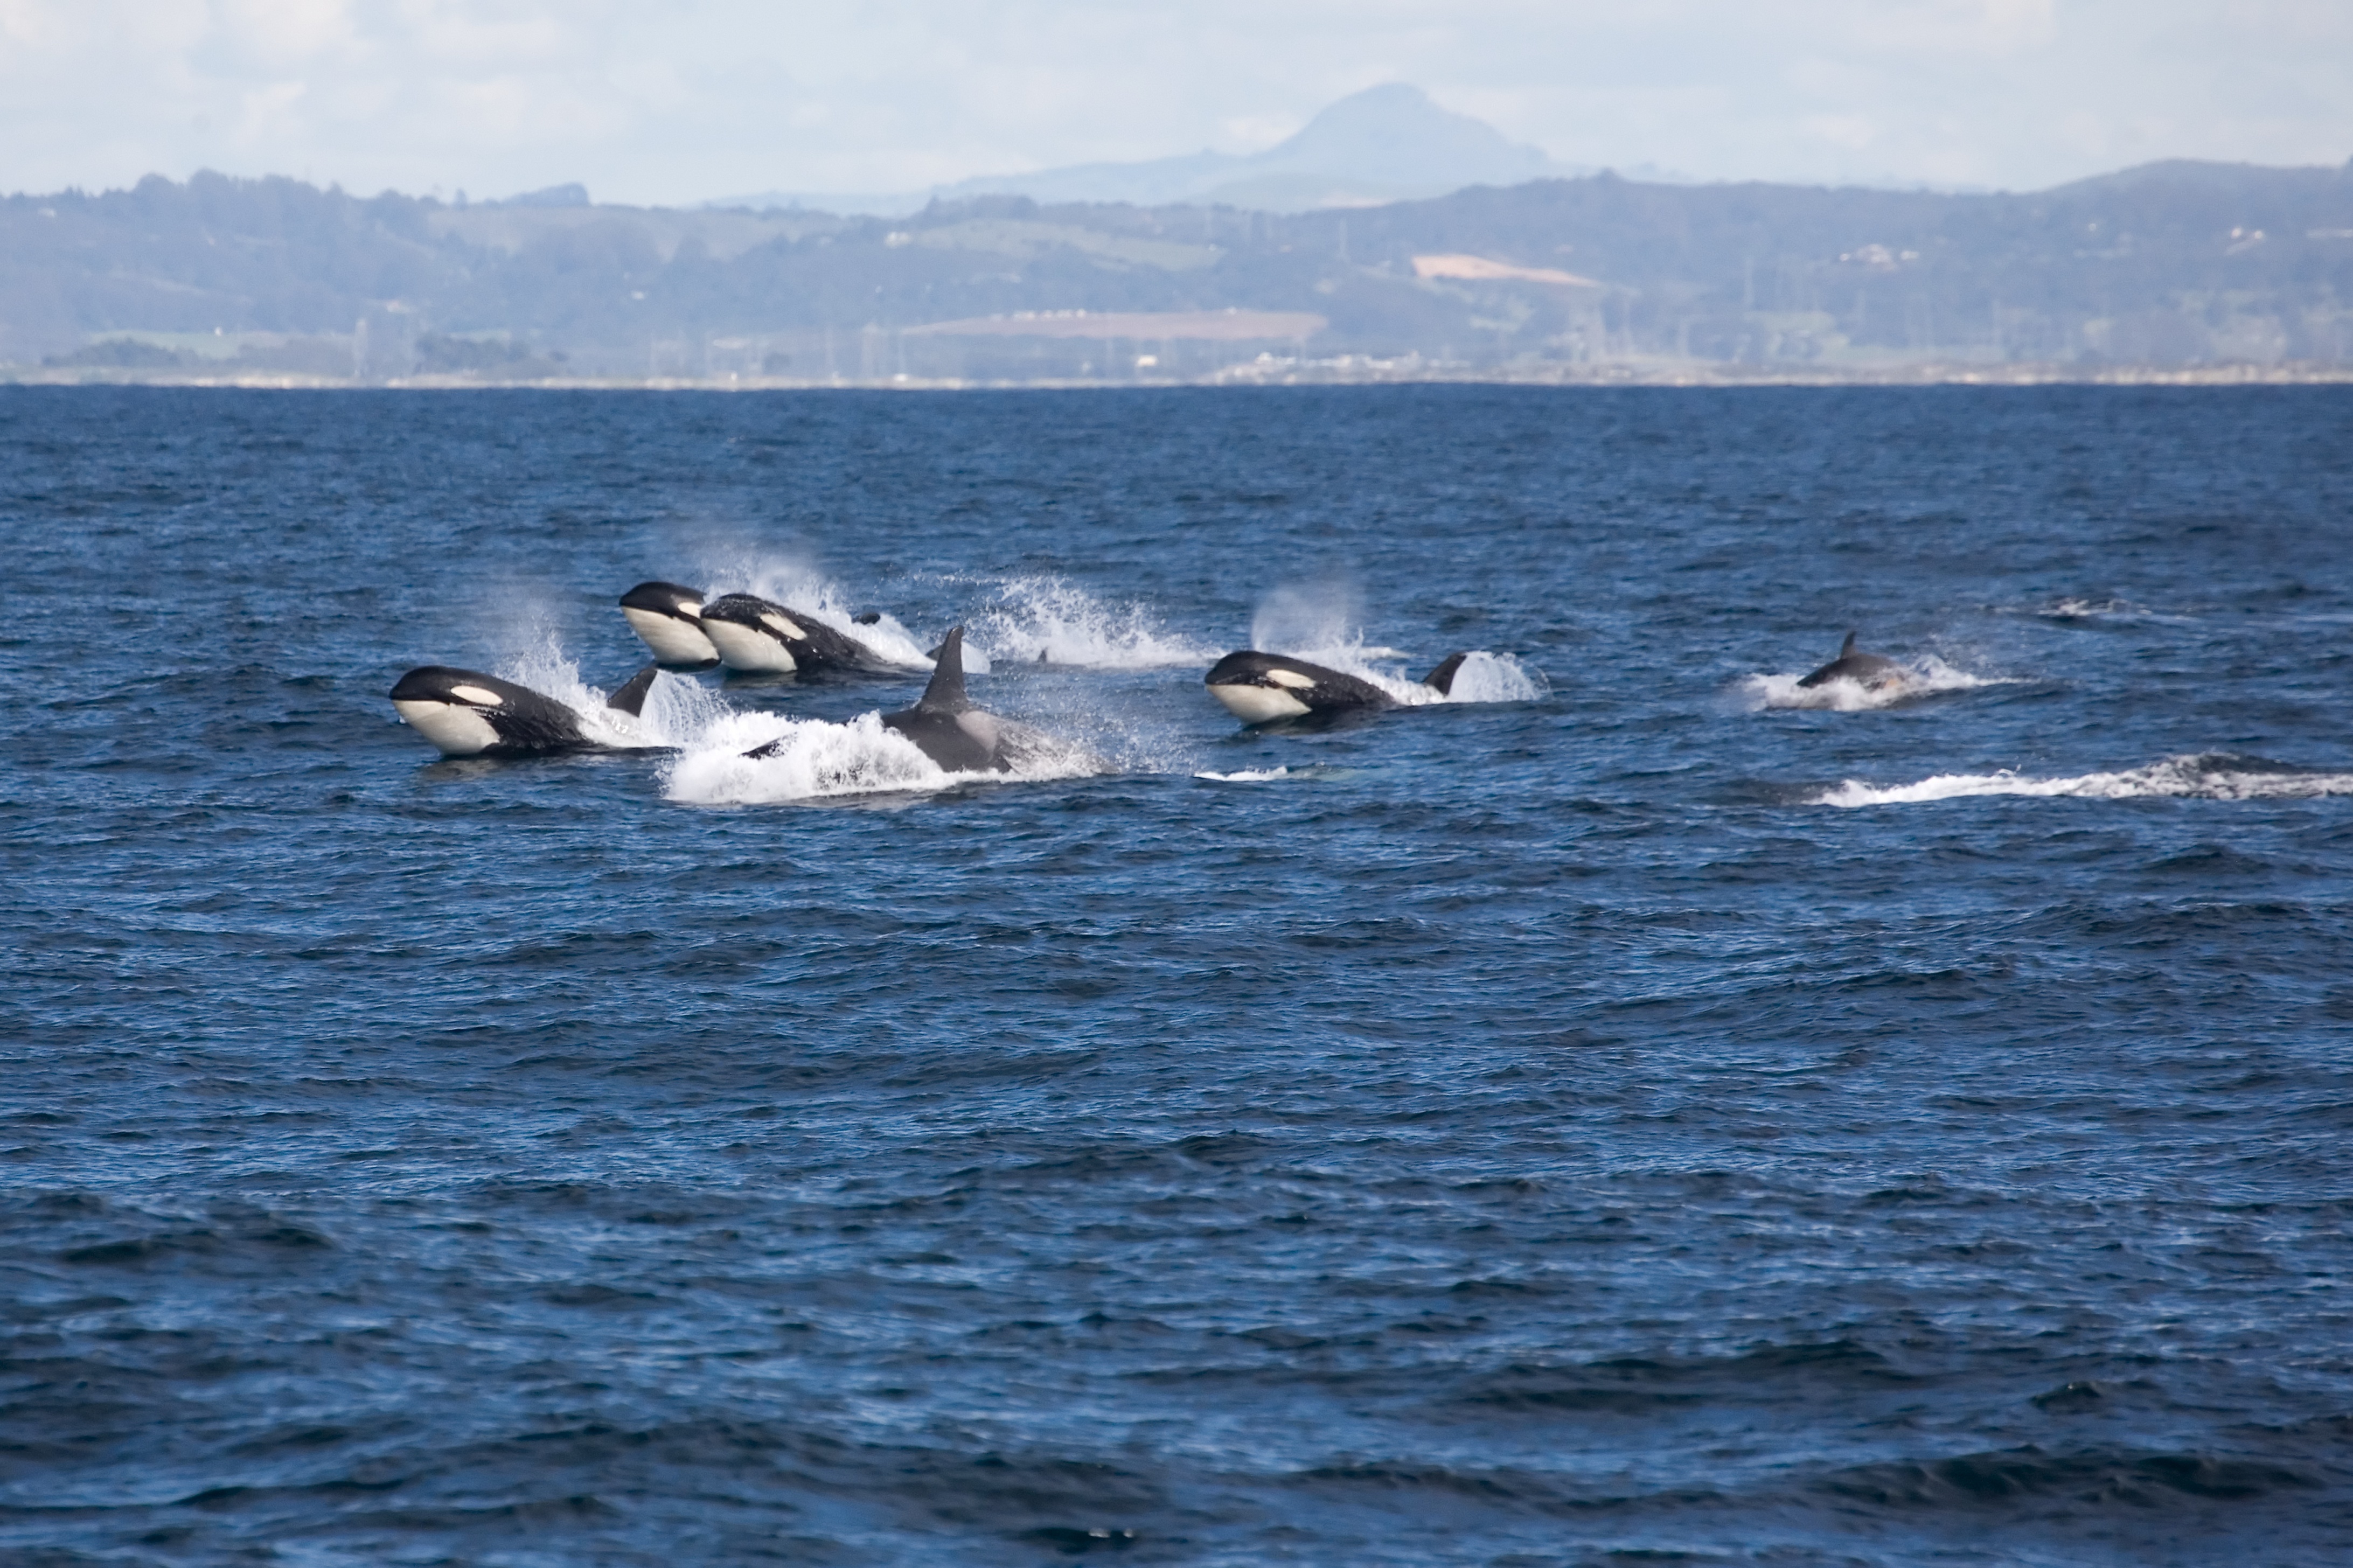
{"x":1644,"y":1111}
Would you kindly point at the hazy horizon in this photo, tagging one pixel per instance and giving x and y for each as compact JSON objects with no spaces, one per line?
{"x":434,"y":97}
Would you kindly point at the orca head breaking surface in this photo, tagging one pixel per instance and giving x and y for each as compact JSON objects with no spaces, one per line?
{"x":468,"y":714}
{"x":760,"y":636}
{"x":668,"y":617}
{"x":1261,"y":688}
{"x":1863,"y":668}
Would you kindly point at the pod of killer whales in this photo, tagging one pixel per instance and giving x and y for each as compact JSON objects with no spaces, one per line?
{"x":466,"y":713}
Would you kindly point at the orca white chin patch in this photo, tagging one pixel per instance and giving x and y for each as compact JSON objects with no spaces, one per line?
{"x":457,"y":731}
{"x":673,"y":640}
{"x":1258,"y":704}
{"x":741,"y":647}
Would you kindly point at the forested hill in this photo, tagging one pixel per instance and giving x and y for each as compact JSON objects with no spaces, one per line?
{"x":2169,"y":265}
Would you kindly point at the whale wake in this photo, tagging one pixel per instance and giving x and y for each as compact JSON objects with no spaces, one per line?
{"x":2210,"y":775}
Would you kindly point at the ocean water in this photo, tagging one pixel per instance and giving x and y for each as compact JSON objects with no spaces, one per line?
{"x":1644,"y":1111}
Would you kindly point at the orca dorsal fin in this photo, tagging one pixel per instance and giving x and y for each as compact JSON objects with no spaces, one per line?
{"x":631,"y":698}
{"x":1441,"y":679}
{"x":1847,"y":647}
{"x":946,"y":693}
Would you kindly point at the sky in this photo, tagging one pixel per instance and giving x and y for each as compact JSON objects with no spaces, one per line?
{"x":697,"y":99}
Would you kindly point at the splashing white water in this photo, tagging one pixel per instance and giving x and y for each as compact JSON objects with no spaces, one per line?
{"x":1925,"y":677}
{"x":1309,"y":623}
{"x":2074,"y":609}
{"x":1052,"y":617}
{"x":1247,"y":775}
{"x":2206,"y":776}
{"x":816,"y":760}
{"x":1496,"y":677}
{"x":1061,"y":621}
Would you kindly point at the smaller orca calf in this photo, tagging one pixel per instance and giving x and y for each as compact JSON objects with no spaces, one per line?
{"x":468,"y":714}
{"x":668,"y":617}
{"x":1867,"y":669}
{"x":1261,"y":688}
{"x":761,"y":636}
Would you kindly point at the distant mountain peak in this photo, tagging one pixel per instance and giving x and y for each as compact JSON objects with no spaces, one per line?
{"x":1393,"y":134}
{"x":1386,"y":143}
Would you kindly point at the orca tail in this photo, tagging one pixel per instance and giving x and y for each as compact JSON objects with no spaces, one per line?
{"x":946,"y":693}
{"x":631,"y":698}
{"x":1847,"y":647}
{"x":1441,"y":679}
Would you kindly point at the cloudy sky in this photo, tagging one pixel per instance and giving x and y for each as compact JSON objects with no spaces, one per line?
{"x":694,"y":99}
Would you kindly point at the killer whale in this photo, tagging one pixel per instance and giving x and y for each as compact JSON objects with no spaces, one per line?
{"x":667,"y":618}
{"x":1868,"y":669}
{"x":760,"y":636}
{"x":946,"y":727}
{"x":466,"y":713}
{"x":944,"y":724}
{"x":1262,"y":687}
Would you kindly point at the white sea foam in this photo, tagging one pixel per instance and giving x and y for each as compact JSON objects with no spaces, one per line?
{"x":1925,"y":677}
{"x":1248,"y":775}
{"x":2074,"y":609}
{"x":1055,"y":617}
{"x":816,"y":760}
{"x":2206,"y":776}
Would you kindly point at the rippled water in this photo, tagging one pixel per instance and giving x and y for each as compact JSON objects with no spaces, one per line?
{"x":1657,"y":1113}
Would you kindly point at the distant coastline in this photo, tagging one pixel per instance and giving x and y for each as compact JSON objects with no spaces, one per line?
{"x":2191,"y":273}
{"x":1248,"y":374}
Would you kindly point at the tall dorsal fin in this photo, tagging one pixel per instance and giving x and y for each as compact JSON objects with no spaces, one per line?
{"x":631,"y":698}
{"x":1847,"y":647}
{"x":1442,"y":679}
{"x":946,"y":693}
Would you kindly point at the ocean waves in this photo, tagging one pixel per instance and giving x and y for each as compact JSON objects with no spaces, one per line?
{"x":1531,"y":1129}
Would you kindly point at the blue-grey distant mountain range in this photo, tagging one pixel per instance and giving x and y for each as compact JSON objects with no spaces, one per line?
{"x":1388,"y":237}
{"x":1384,"y":144}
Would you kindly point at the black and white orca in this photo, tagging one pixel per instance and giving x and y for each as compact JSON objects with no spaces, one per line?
{"x":1867,"y":669}
{"x":945,"y":726}
{"x":760,"y":636}
{"x":668,"y":617}
{"x":1261,"y":688}
{"x":468,"y":714}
